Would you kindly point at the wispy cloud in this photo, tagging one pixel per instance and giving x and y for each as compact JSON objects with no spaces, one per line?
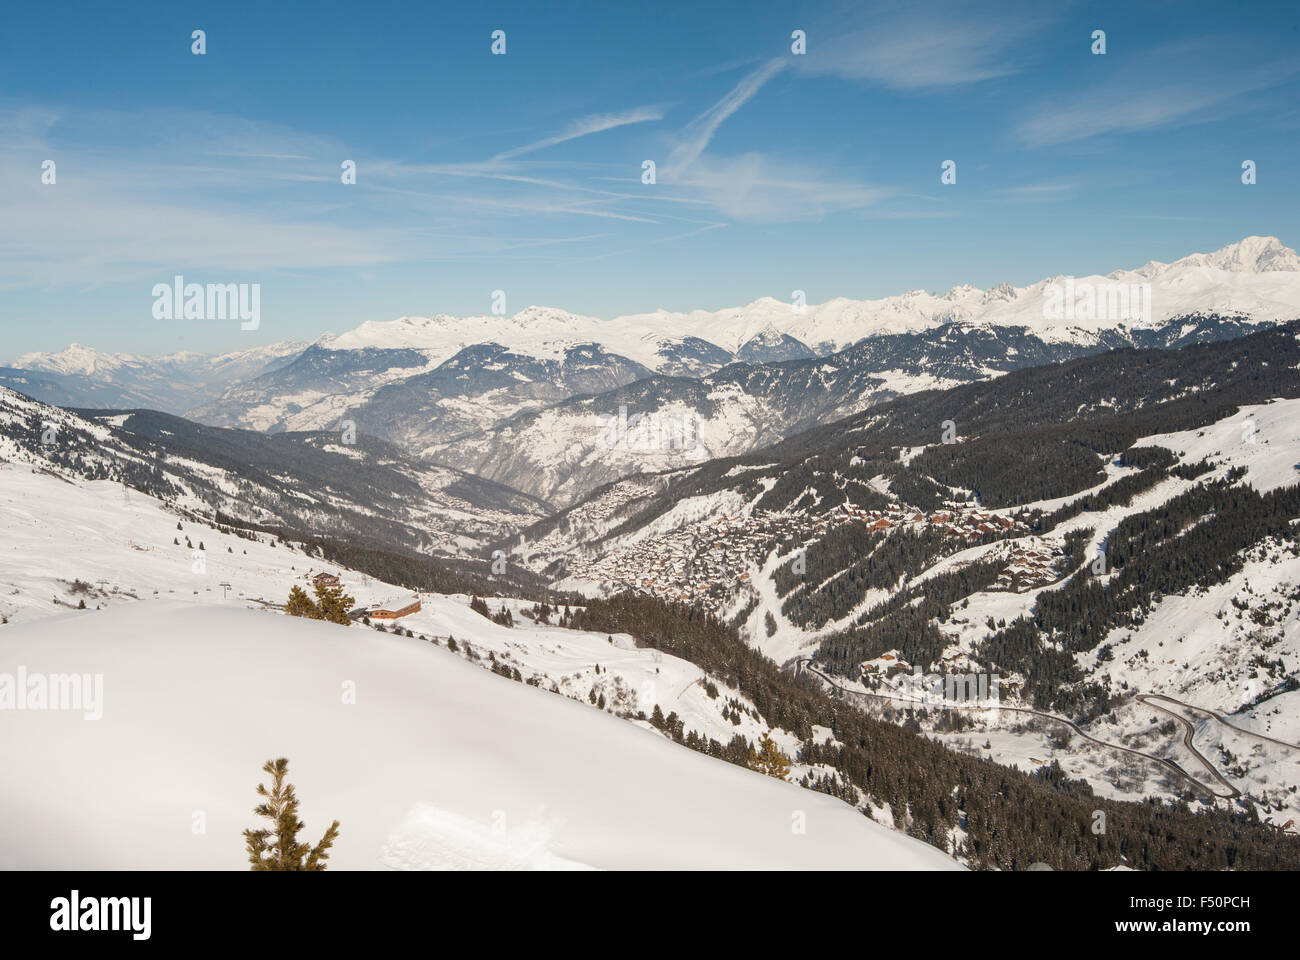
{"x":753,"y":188}
{"x":945,"y":45}
{"x":145,"y":194}
{"x":585,"y":126}
{"x":1138,"y":98}
{"x":700,"y":131}
{"x":1037,"y":192}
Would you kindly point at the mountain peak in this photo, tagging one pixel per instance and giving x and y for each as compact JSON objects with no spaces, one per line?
{"x":76,"y":358}
{"x":1250,"y":255}
{"x":537,"y":314}
{"x":1254,"y":255}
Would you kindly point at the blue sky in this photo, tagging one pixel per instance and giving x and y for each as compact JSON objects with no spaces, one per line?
{"x":522,"y":172}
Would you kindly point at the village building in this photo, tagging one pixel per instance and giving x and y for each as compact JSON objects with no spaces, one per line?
{"x":395,"y":609}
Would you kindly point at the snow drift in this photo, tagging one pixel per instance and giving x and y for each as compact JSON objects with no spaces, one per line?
{"x":434,"y":764}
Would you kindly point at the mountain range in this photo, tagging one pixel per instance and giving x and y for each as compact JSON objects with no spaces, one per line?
{"x":556,"y":404}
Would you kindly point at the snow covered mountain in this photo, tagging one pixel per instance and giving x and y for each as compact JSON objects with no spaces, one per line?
{"x":306,"y":482}
{"x":81,"y":376}
{"x":398,"y":394}
{"x":514,"y":408}
{"x":1256,"y":278}
{"x":659,"y":423}
{"x":1254,"y":281}
{"x":1099,"y":534}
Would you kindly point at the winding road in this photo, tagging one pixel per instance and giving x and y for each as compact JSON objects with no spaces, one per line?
{"x":1169,"y":765}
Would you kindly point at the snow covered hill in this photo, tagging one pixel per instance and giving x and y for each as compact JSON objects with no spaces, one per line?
{"x":438,"y":763}
{"x":312,"y":483}
{"x":427,"y":762}
{"x":73,"y":542}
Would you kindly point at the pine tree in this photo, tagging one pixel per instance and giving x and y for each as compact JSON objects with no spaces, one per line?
{"x":769,"y":760}
{"x":333,"y":603}
{"x":300,"y":605}
{"x":278,"y":848}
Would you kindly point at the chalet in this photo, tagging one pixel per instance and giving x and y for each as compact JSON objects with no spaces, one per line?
{"x":881,"y":524}
{"x":399,"y":607}
{"x":325,"y":580}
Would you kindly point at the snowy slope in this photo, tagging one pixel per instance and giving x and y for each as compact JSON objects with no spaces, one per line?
{"x":436,"y":764}
{"x":309,"y":482}
{"x":67,"y":542}
{"x":64,"y":542}
{"x":1231,"y":647}
{"x":1262,"y":438}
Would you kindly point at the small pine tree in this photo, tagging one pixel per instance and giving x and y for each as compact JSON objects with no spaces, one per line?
{"x":333,"y":603}
{"x":769,"y":760}
{"x":480,"y":607}
{"x":300,"y":605}
{"x":278,"y":848}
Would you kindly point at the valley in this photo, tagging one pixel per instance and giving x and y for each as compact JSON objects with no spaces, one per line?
{"x":1103,"y":519}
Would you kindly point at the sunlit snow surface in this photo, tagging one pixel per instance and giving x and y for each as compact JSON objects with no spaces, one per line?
{"x":437,"y":764}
